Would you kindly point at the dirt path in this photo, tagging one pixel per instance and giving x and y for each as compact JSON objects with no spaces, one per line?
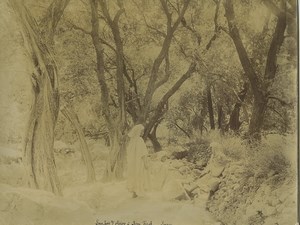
{"x":151,"y":208}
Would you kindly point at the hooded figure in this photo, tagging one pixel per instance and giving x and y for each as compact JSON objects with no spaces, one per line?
{"x":137,"y":174}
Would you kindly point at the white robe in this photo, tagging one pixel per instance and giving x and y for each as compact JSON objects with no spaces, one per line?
{"x":137,"y":174}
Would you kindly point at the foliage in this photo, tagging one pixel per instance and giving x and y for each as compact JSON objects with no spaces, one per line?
{"x":274,"y":159}
{"x":188,"y":114}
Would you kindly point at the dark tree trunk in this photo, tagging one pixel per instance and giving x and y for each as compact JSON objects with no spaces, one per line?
{"x":259,"y":87}
{"x":234,"y":121}
{"x":154,"y":83}
{"x":220,"y":117}
{"x":210,"y":108}
{"x":257,"y":118}
{"x":152,"y":137}
{"x":163,"y":103}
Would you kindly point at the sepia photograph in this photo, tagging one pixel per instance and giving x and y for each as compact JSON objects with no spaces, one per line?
{"x":149,"y":112}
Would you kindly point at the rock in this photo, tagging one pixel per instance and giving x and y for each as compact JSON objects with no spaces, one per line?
{"x":161,"y":155}
{"x":214,"y":186}
{"x":216,"y":170}
{"x":184,"y":169}
{"x":197,"y":172}
{"x":180,"y":154}
{"x":200,"y":163}
{"x":271,"y":173}
{"x":174,"y":190}
{"x":177,"y":164}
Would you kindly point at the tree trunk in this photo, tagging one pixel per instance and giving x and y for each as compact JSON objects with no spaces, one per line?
{"x":38,"y":152}
{"x":155,"y":143}
{"x":51,"y":19}
{"x":152,"y":136}
{"x":153,"y":82}
{"x":116,"y":160}
{"x":259,"y":88}
{"x":114,"y":136}
{"x":162,"y":105}
{"x":257,"y":118}
{"x":210,"y":108}
{"x":220,"y":117}
{"x":234,"y":121}
{"x":72,"y":117}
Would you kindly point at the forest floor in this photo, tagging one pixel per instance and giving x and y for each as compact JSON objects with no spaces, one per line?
{"x":87,"y":203}
{"x":259,"y":189}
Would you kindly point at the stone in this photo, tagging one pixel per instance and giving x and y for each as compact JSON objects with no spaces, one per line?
{"x":197,"y":172}
{"x":174,"y":190}
{"x":177,"y":164}
{"x":200,"y":163}
{"x":183,"y":169}
{"x":161,"y":154}
{"x":216,"y":170}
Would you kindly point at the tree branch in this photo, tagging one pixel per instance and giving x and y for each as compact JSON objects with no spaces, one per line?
{"x":100,"y":62}
{"x":277,"y":40}
{"x":166,"y":96}
{"x":161,"y":56}
{"x":242,"y":53}
{"x":51,"y":19}
{"x":278,"y":11}
{"x":217,"y":28}
{"x":75,"y":27}
{"x":180,"y":128}
{"x":167,"y":73}
{"x":282,"y":102}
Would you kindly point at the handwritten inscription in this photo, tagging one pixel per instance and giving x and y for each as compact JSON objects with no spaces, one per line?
{"x":117,"y":222}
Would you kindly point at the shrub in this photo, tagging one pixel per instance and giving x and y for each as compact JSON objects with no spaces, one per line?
{"x":271,"y":159}
{"x":195,"y":150}
{"x":228,"y":146}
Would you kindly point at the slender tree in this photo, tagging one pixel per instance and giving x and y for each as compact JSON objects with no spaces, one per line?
{"x":69,"y":113}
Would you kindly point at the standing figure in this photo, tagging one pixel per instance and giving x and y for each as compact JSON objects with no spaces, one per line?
{"x":137,"y":174}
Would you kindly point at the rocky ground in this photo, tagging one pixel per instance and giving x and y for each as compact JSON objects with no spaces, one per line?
{"x":201,"y":186}
{"x":238,"y":194}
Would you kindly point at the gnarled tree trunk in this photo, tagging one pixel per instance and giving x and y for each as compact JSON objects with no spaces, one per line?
{"x":38,"y":152}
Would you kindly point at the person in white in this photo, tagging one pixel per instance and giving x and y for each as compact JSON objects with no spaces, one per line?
{"x":137,"y":174}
